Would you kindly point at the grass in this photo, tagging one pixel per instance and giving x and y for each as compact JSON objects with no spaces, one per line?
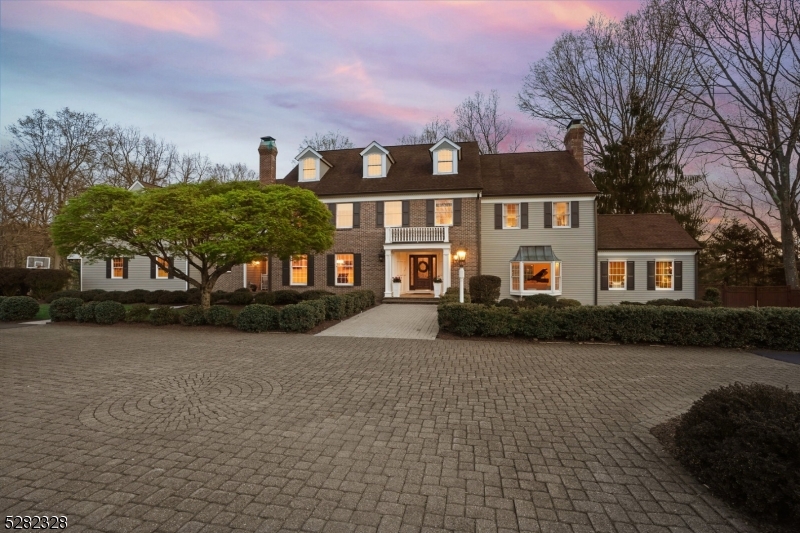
{"x":44,"y":312}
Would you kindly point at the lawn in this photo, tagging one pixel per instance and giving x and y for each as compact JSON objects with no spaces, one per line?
{"x":44,"y":312}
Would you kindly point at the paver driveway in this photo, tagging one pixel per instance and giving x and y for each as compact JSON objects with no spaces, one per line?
{"x":389,"y":321}
{"x":144,"y":429}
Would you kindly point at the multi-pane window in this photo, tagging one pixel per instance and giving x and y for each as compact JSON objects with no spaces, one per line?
{"x":162,"y":268}
{"x":663,"y":274}
{"x":309,"y":168}
{"x":510,"y":215}
{"x":557,"y":276}
{"x":514,"y":276}
{"x":534,"y":277}
{"x":537,"y":276}
{"x":299,"y":270}
{"x":374,"y":165}
{"x":117,"y":268}
{"x":444,"y":212}
{"x":616,"y":275}
{"x":392,"y":214}
{"x":344,"y":216}
{"x":560,"y":214}
{"x":445,"y":162}
{"x":345,"y":271}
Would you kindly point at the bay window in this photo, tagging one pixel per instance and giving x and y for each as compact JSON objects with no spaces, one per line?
{"x":535,"y":270}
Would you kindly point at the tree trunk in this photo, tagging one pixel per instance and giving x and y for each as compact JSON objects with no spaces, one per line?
{"x":205,"y":297}
{"x":787,"y":247}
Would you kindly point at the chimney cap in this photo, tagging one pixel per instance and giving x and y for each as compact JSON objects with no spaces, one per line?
{"x":574,"y":122}
{"x":268,"y":139}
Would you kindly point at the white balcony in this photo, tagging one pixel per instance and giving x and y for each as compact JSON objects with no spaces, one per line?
{"x":418,"y":234}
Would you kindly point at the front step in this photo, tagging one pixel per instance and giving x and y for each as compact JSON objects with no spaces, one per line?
{"x":430,"y":301}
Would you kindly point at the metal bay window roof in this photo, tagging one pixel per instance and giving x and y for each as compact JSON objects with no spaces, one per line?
{"x":535,"y":253}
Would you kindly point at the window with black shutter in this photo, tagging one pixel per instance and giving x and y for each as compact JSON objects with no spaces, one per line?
{"x":310,"y":269}
{"x":498,"y":216}
{"x":406,"y":213}
{"x":356,"y":214}
{"x":357,"y":270}
{"x":379,"y":214}
{"x":575,"y":208}
{"x":630,"y":271}
{"x":603,"y":275}
{"x":430,"y":212}
{"x":456,"y":211}
{"x":651,"y":275}
{"x":330,"y":270}
{"x":523,"y":217}
{"x":548,"y":214}
{"x":286,"y":274}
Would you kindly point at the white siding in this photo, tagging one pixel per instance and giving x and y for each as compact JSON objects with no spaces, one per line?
{"x":574,"y":246}
{"x":641,"y":294}
{"x":93,"y":276}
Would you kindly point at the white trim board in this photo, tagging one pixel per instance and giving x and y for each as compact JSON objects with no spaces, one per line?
{"x":417,"y":246}
{"x":533,"y":199}
{"x":390,"y":197}
{"x":649,"y":253}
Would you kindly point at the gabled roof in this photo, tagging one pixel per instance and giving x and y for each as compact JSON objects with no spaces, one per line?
{"x":534,"y":173}
{"x":374,"y":144}
{"x":318,"y":155}
{"x":139,"y":185}
{"x":445,"y":140}
{"x":650,"y":231}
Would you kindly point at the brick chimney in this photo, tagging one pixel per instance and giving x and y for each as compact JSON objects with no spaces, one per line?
{"x":573,"y":140}
{"x":267,"y":156}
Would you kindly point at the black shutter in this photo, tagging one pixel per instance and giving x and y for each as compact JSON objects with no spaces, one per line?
{"x":285,"y":272}
{"x":523,"y":215}
{"x":330,"y":270}
{"x":332,"y":208}
{"x":498,"y":216}
{"x":631,"y":275}
{"x":603,"y":275}
{"x":171,"y":263}
{"x":548,"y":214}
{"x":651,"y":275}
{"x":357,"y":270}
{"x":152,"y":269}
{"x":125,"y":268}
{"x":406,"y":213}
{"x":356,"y":214}
{"x":575,"y":208}
{"x":379,"y":214}
{"x":430,"y":212}
{"x":678,"y":272}
{"x":457,"y":211}
{"x":108,"y":268}
{"x":310,"y":271}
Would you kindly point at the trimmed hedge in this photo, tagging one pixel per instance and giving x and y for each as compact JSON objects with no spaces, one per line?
{"x":314,"y":295}
{"x":683,"y":302}
{"x":85,"y":313}
{"x":18,"y":308}
{"x":767,"y":327}
{"x":238,"y":297}
{"x":713,"y":295}
{"x":194,"y":315}
{"x":256,"y":317}
{"x":451,"y":296}
{"x":286,"y":297}
{"x":743,"y":441}
{"x":43,"y":282}
{"x":63,"y":309}
{"x":218,"y":315}
{"x":109,"y":312}
{"x":138,"y":313}
{"x":62,"y":294}
{"x":335,"y":307}
{"x":264,"y":298}
{"x":153,"y":296}
{"x":484,"y":289}
{"x":164,"y":316}
{"x":303,"y":316}
{"x":109,"y":296}
{"x":12,"y":281}
{"x":173,"y":298}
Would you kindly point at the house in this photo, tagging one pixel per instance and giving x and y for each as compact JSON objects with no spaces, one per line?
{"x":403,"y":212}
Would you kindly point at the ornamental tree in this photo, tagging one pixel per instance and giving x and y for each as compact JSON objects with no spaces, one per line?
{"x":214,"y":225}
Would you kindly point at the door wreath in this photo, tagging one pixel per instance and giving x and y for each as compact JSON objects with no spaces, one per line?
{"x":422,"y":264}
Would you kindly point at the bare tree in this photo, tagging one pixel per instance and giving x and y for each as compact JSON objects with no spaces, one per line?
{"x":192,"y":168}
{"x":333,"y":140}
{"x":746,"y":55}
{"x":479,"y":120}
{"x":433,"y":132}
{"x":128,"y":156}
{"x":234,"y":172}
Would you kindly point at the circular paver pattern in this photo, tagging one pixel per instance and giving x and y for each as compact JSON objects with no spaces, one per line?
{"x":180,"y":402}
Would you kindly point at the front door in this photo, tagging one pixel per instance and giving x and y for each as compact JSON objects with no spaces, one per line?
{"x":423,"y":270}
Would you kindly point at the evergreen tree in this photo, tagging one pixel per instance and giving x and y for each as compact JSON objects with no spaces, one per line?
{"x":739,"y":255}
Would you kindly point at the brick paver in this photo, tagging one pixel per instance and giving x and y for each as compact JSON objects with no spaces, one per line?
{"x":389,"y":321}
{"x":144,"y":429}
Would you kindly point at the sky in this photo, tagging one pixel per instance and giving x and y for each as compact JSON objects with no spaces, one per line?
{"x":215,"y":76}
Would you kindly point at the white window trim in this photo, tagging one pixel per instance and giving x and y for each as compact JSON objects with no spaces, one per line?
{"x":671,"y":276}
{"x":351,"y":215}
{"x":448,"y":145}
{"x":122,"y":276}
{"x":519,"y":215}
{"x":301,"y":176}
{"x":624,"y":275}
{"x":158,"y":271}
{"x":385,"y":211}
{"x":569,"y":214}
{"x":336,"y":271}
{"x":452,"y":214}
{"x":291,"y":273}
{"x":522,"y":292}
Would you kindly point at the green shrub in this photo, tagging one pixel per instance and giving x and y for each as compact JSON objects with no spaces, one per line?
{"x":538,"y":300}
{"x":194,"y":296}
{"x":257,"y":317}
{"x":173,"y":298}
{"x":743,"y":441}
{"x":12,"y":281}
{"x":244,"y":297}
{"x":451,"y":296}
{"x":242,"y":289}
{"x":164,"y":316}
{"x":220,"y":296}
{"x":138,"y":313}
{"x":484,"y":289}
{"x":301,"y":317}
{"x":537,"y":323}
{"x":335,"y":307}
{"x":63,"y":309}
{"x":194,"y":315}
{"x":43,"y":282}
{"x":567,"y":302}
{"x":630,"y":303}
{"x":110,"y":296}
{"x":219,"y":315}
{"x":264,"y":298}
{"x":62,"y":294}
{"x":134,"y":296}
{"x":508,"y":302}
{"x":152,"y":296}
{"x":18,"y":308}
{"x":109,"y":312}
{"x":90,"y":295}
{"x":286,"y":297}
{"x":85,"y":313}
{"x":713,"y":295}
{"x":314,"y":295}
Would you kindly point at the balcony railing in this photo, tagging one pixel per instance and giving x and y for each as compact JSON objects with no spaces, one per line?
{"x":417,"y":234}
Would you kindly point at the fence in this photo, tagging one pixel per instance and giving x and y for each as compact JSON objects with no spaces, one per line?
{"x":782,"y":296}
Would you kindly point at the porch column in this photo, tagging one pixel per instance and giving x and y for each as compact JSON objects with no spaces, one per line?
{"x":446,"y":269}
{"x":387,"y":269}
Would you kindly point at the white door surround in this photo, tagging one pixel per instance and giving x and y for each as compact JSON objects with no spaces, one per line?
{"x":396,"y":263}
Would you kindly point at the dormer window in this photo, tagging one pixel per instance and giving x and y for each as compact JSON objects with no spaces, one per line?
{"x":311,"y":165}
{"x":374,"y":165}
{"x":377,"y":161}
{"x":445,"y":155}
{"x":444,"y":165}
{"x":309,"y":169}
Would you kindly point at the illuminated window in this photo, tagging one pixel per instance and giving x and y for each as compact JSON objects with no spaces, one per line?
{"x":560,"y":214}
{"x":309,"y":168}
{"x":529,"y":278}
{"x":299,"y":270}
{"x":162,"y":268}
{"x":557,"y":276}
{"x":445,"y":162}
{"x":444,"y":212}
{"x":374,"y":165}
{"x":392,"y":214}
{"x":345,"y":272}
{"x":117,"y":268}
{"x":514,"y":276}
{"x":664,"y":275}
{"x":510,"y":215}
{"x":616,"y":275}
{"x":344,"y":216}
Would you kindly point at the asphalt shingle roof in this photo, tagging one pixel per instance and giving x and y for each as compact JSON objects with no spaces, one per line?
{"x":651,"y":231}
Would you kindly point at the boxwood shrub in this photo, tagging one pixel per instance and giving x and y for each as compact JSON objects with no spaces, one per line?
{"x":286,"y":297}
{"x":109,"y":312}
{"x":173,"y":298}
{"x":85,"y":313}
{"x":265,"y":298}
{"x":110,"y":296}
{"x":90,"y":295}
{"x":194,"y":315}
{"x":164,"y":316}
{"x":219,"y":315}
{"x":484,"y":289}
{"x":256,"y":317}
{"x":18,"y":308}
{"x":43,"y":282}
{"x":302,"y":317}
{"x":743,"y":441}
{"x":334,"y":307}
{"x":152,"y":296}
{"x":62,"y":294}
{"x":314,"y":295}
{"x":12,"y":281}
{"x":243,"y":297}
{"x":63,"y":309}
{"x":138,"y":313}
